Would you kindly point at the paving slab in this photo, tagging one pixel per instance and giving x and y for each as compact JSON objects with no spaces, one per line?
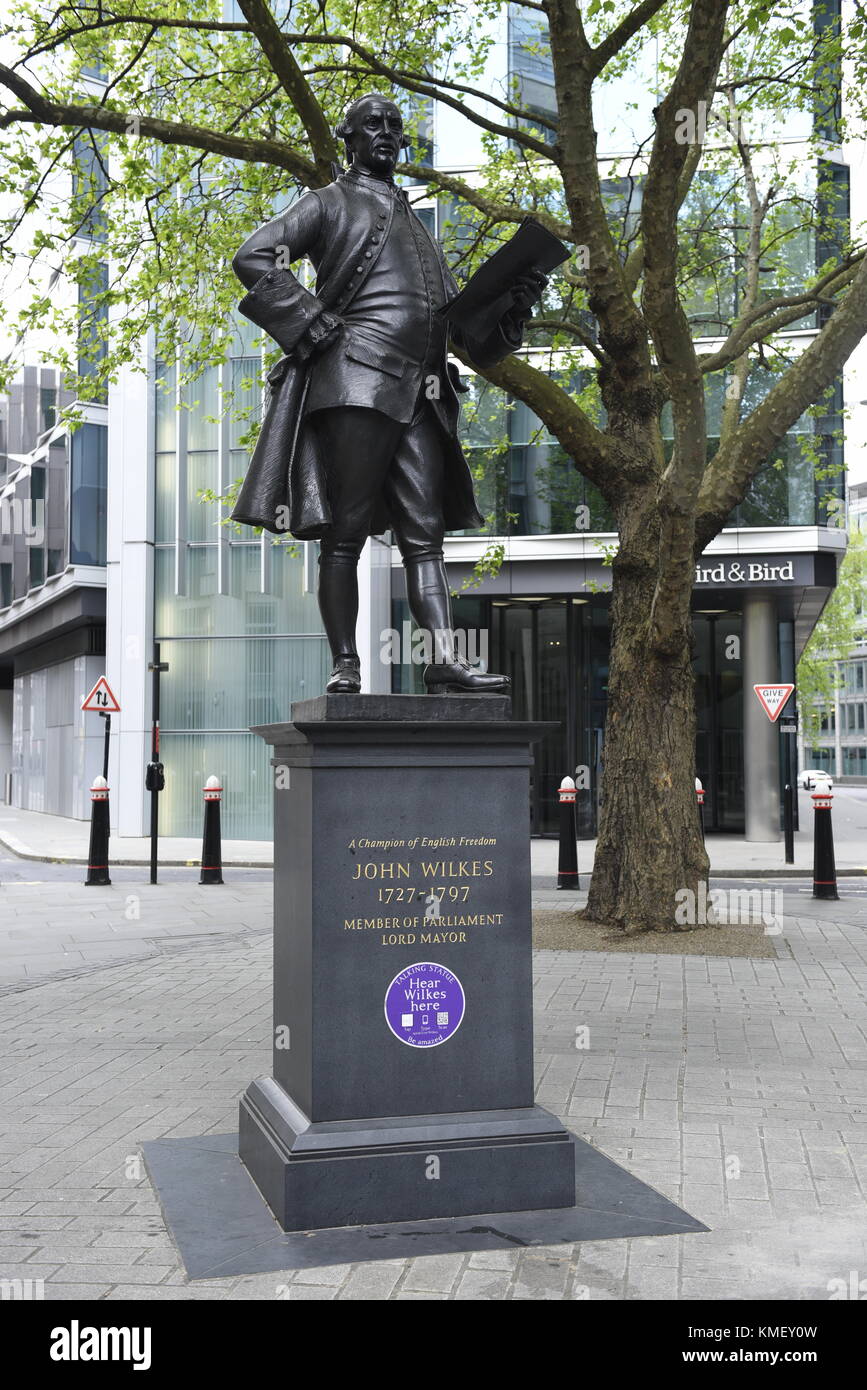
{"x":742,"y":1085}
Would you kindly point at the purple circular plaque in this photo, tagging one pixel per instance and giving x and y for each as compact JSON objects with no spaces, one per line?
{"x":424,"y":1005}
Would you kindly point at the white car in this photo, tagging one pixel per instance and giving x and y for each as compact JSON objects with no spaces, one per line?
{"x":814,"y":777}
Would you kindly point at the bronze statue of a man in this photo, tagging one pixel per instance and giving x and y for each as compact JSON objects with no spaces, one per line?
{"x":361,"y":431}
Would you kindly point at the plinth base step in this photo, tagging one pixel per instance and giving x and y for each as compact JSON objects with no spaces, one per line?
{"x":401,"y":1168}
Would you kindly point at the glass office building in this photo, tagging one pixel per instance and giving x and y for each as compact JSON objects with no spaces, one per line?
{"x":53,"y":517}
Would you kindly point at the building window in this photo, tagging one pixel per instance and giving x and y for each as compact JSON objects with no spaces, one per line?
{"x":89,"y":494}
{"x":832,"y":223}
{"x":36,"y":566}
{"x":47,"y":407}
{"x":90,"y":183}
{"x":5,"y":585}
{"x":418,"y":115}
{"x":92,"y":331}
{"x":526,"y":484}
{"x":828,"y":109}
{"x":531,"y":71}
{"x":428,"y":218}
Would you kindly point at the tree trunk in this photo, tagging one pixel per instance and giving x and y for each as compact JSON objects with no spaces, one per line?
{"x":650,"y":843}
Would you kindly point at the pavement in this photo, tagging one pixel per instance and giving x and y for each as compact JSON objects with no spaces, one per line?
{"x":33,"y":835}
{"x":736,"y":1087}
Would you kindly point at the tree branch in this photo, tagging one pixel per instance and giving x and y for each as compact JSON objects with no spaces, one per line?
{"x":695,"y":79}
{"x":622,"y":33}
{"x":110,"y":21}
{"x":634,"y":265}
{"x":491,"y":207}
{"x":669,"y":327}
{"x":621,"y":331}
{"x":279,"y":55}
{"x":520,"y":114}
{"x":736,"y":463}
{"x":398,"y":77}
{"x":577,"y":330}
{"x":596,"y":455}
{"x":277,"y":48}
{"x":779,"y":313}
{"x":39,"y":110}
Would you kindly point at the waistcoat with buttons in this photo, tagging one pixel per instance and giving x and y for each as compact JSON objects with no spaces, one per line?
{"x":394,"y":339}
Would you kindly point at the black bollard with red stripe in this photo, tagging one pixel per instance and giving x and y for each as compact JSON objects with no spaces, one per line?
{"x":212,"y":849}
{"x":97,"y":858}
{"x":567,"y":867}
{"x":824,"y":868}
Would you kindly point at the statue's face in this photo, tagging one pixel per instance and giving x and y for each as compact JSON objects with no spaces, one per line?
{"x":376,"y":136}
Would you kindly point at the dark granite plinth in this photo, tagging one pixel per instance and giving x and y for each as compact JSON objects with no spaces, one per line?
{"x":402,"y":844}
{"x":400,"y":708}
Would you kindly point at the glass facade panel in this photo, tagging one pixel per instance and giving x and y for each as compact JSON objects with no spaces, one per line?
{"x":247,"y":392}
{"x":821,"y":759}
{"x":245,"y":609}
{"x":241,"y":761}
{"x":236,"y":658}
{"x":854,"y":762}
{"x":229,"y":684}
{"x":165,"y":407}
{"x":797,"y":484}
{"x":166,"y":497}
{"x":201,"y":400}
{"x":203,"y":517}
{"x":88,"y":496}
{"x":526,"y":484}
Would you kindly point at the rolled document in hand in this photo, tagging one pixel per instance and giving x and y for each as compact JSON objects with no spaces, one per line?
{"x":487,"y":294}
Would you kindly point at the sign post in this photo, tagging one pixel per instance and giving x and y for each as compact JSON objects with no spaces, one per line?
{"x":789,"y":726}
{"x":155,"y":774}
{"x":773,"y":699}
{"x":101,"y":701}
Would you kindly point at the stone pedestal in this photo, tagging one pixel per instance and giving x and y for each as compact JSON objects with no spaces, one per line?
{"x":402,"y":1084}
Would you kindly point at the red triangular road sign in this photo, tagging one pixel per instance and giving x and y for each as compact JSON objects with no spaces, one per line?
{"x":101,"y":700}
{"x":772,"y":698}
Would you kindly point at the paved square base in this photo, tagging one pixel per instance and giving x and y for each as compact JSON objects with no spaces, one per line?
{"x":222,"y":1227}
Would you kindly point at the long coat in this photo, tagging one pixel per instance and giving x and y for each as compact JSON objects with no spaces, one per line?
{"x":284,"y":489}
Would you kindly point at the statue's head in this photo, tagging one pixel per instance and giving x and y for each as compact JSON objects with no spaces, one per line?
{"x":372,"y":134}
